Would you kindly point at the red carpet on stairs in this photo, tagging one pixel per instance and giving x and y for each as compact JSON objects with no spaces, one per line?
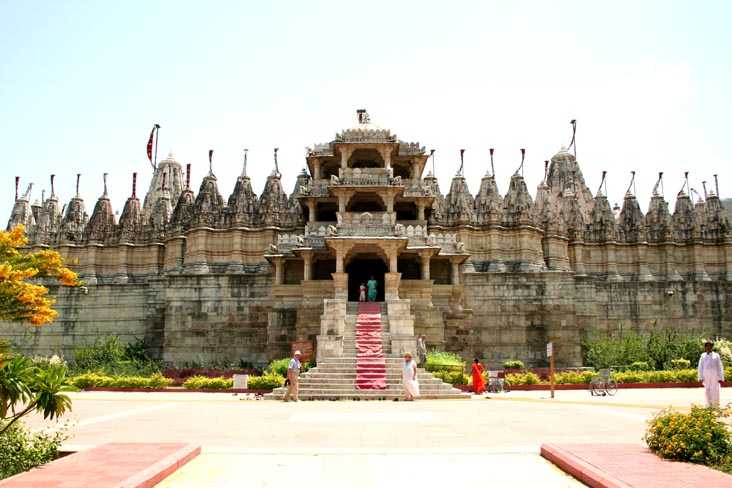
{"x":370,"y":363}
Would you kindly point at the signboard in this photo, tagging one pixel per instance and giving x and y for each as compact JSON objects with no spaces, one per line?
{"x":549,"y":349}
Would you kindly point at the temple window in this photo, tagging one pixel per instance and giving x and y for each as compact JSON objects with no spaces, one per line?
{"x":323,"y":267}
{"x":403,"y":170}
{"x":409,"y":267}
{"x":405,"y":210}
{"x":366,"y":202}
{"x":293,"y":272}
{"x":366,"y":158}
{"x":329,"y":169}
{"x":326,"y":211}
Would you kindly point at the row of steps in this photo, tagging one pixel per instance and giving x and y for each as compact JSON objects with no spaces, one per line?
{"x":335,"y":378}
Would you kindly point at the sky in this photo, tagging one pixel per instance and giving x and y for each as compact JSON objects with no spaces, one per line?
{"x":82,"y":83}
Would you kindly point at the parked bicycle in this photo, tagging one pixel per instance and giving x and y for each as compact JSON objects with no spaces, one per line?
{"x":497,"y":383}
{"x":602,"y":383}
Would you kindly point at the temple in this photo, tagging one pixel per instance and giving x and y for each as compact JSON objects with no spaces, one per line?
{"x":494,"y":275}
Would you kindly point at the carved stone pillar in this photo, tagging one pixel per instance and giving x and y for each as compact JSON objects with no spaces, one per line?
{"x":279,"y":270}
{"x":393,"y":261}
{"x":415,"y":170}
{"x":424,"y":259}
{"x":727,"y":273}
{"x":316,"y":169}
{"x":342,"y":199}
{"x":420,"y":211}
{"x":312,"y":211}
{"x":307,"y":265}
{"x":455,"y":271}
{"x":340,"y":285}
{"x":389,"y":201}
{"x":345,"y":156}
{"x":391,"y":285}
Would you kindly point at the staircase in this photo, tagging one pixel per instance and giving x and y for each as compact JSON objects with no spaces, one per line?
{"x":335,"y":378}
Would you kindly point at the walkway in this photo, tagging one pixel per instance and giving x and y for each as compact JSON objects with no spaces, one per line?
{"x":264,"y":443}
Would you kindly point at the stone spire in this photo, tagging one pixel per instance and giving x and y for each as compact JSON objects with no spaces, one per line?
{"x":488,"y":202}
{"x":22,"y":212}
{"x":273,"y":204}
{"x":208,"y":209}
{"x":242,"y":204}
{"x":547,"y":210}
{"x":293,"y":203}
{"x":682,"y":221}
{"x":564,"y":175}
{"x":75,"y":218}
{"x":171,"y":170}
{"x":183,"y":213}
{"x":459,"y":203}
{"x":102,"y":223}
{"x":572,"y":217}
{"x":161,"y":212}
{"x":658,"y":218}
{"x":517,"y":205}
{"x":131,"y":221}
{"x":437,"y":215}
{"x":631,"y":224}
{"x":601,"y":226}
{"x":49,"y":218}
{"x":717,"y":223}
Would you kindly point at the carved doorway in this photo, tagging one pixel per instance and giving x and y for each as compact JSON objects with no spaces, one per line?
{"x":360,"y":270}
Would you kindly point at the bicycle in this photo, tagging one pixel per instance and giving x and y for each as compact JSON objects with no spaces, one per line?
{"x":602,"y":384}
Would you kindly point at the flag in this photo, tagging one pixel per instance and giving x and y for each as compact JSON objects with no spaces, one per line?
{"x":150,"y":145}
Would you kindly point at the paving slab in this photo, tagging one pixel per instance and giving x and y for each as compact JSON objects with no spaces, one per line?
{"x":629,"y":466}
{"x":112,"y":465}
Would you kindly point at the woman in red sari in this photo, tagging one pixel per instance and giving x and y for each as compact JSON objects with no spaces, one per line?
{"x":478,"y":382}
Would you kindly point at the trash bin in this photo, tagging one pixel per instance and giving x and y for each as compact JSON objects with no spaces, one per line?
{"x":241,"y":381}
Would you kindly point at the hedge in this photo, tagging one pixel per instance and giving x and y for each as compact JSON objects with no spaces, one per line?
{"x":206,"y":383}
{"x":91,"y":380}
{"x":267,"y":381}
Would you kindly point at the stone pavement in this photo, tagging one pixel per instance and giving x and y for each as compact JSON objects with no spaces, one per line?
{"x":268,"y":443}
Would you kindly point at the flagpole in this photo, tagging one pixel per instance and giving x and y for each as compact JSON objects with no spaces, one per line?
{"x":157,"y":143}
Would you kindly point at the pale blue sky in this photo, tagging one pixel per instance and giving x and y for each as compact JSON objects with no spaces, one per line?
{"x":81,"y":84}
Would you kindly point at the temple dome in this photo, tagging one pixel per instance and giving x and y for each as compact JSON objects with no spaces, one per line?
{"x":365,"y":131}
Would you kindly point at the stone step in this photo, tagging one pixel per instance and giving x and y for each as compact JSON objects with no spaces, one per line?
{"x":373,"y":395}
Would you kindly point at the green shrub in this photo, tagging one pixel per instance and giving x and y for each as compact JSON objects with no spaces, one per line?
{"x":279,"y":366}
{"x":444,"y":361}
{"x":679,"y":376}
{"x":21,"y":449}
{"x":680,"y":363}
{"x":92,"y":380}
{"x":206,"y":383}
{"x":629,"y":377}
{"x":523,"y":378}
{"x":110,"y":357}
{"x":453,"y":377}
{"x":658,"y":348}
{"x":639,"y":366}
{"x":697,"y":437}
{"x":573,"y":377}
{"x":513,"y":364}
{"x":266,"y":382}
{"x":686,"y":375}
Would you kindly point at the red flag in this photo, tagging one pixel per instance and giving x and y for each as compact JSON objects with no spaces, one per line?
{"x":150,"y":145}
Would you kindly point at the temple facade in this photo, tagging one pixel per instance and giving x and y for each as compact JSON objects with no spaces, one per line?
{"x":495,"y":275}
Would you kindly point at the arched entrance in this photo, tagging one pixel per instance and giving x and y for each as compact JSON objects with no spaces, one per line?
{"x":360,"y":269}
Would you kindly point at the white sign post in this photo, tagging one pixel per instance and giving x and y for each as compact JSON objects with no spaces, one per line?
{"x":550,"y":355}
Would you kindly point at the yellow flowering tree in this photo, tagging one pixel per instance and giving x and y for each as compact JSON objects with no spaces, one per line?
{"x":21,"y":300}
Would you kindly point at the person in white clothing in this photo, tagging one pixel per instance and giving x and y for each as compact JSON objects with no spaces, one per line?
{"x":409,"y":377}
{"x":711,"y":374}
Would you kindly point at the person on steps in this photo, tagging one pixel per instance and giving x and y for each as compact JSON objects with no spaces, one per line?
{"x":421,"y":350}
{"x":711,"y":374}
{"x":362,"y":293}
{"x":478,"y":381}
{"x":293,"y":376}
{"x":409,"y":377}
{"x":372,"y":284}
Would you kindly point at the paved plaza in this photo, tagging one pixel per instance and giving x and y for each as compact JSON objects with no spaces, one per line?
{"x":267,"y":443}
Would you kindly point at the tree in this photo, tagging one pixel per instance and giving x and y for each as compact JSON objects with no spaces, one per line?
{"x":22,"y":300}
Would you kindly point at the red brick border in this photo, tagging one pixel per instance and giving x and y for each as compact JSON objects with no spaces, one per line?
{"x":585,"y":472}
{"x":113,"y":465}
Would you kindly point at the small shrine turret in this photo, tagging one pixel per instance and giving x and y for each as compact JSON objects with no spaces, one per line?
{"x":22,"y":212}
{"x":171,"y":170}
{"x":49,"y":218}
{"x":101,"y":226}
{"x":131,"y":221}
{"x":242,"y":204}
{"x":74,"y":219}
{"x":184,"y":207}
